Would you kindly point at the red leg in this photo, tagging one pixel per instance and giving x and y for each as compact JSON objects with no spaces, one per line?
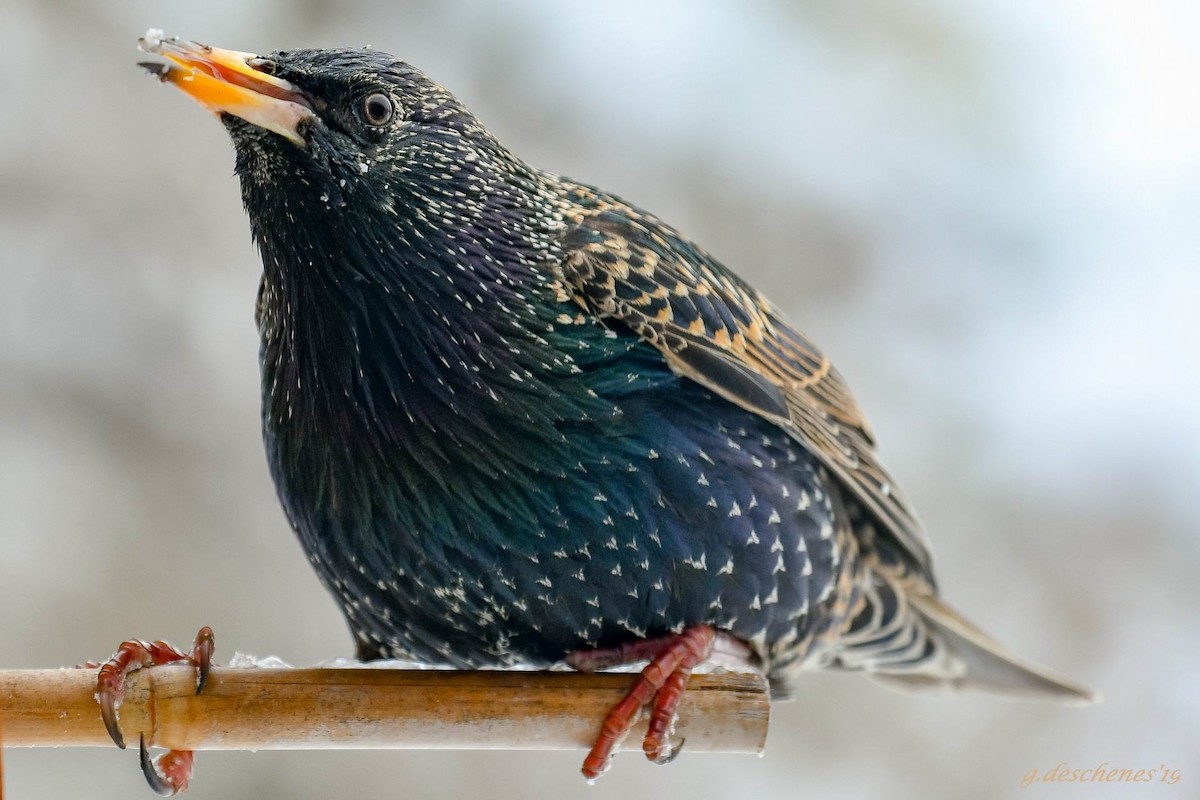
{"x":663,"y":681}
{"x":174,"y":768}
{"x":620,"y":655}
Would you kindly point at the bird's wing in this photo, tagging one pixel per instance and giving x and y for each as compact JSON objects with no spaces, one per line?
{"x":714,"y":328}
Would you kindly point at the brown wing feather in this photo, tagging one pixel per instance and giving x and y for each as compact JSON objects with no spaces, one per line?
{"x":714,"y":328}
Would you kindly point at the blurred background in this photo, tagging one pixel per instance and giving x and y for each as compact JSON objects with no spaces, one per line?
{"x":984,"y":210}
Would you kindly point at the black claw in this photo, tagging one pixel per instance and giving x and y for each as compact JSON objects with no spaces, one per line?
{"x":108,"y":712}
{"x":672,"y":754}
{"x":160,"y":785}
{"x":203,"y":653}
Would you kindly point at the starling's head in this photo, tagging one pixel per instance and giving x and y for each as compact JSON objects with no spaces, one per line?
{"x":325,"y":130}
{"x":385,"y":214}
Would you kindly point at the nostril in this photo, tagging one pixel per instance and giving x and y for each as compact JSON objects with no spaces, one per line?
{"x":264,"y":65}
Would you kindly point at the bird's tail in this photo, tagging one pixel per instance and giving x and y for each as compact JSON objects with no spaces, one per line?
{"x":960,"y":656}
{"x":904,"y":636}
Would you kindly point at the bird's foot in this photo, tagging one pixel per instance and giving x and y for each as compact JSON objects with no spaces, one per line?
{"x":663,"y":681}
{"x":169,"y":773}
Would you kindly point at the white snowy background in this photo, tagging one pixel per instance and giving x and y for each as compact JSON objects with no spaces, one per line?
{"x":985,"y":211}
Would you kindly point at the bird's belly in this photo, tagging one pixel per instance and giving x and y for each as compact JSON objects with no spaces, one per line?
{"x":723,"y":520}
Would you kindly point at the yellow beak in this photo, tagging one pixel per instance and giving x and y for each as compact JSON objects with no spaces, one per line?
{"x":227,"y":82}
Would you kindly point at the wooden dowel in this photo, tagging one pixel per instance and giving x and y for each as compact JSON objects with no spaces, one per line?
{"x":323,"y":708}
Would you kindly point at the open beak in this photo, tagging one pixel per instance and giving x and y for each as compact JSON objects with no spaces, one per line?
{"x":228,"y":82}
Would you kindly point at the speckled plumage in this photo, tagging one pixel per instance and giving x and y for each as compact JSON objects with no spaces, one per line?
{"x":511,"y":416}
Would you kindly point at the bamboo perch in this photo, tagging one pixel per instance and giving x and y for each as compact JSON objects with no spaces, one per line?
{"x":325,"y":708}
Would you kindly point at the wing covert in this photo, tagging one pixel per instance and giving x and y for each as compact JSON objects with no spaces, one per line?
{"x":714,"y":328}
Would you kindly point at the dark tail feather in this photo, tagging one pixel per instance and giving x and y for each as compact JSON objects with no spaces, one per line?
{"x":967,"y":658}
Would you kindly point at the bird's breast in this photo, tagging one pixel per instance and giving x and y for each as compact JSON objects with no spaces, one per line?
{"x":509,"y":546}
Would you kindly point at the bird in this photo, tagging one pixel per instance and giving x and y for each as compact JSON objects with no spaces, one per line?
{"x":515,"y":419}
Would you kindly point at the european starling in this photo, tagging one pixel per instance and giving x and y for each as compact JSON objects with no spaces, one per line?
{"x":515,"y":419}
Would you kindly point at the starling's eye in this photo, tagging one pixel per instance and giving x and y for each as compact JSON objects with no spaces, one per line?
{"x":378,"y":110}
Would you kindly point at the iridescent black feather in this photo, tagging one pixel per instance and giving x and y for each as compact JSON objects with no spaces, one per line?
{"x":511,"y":416}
